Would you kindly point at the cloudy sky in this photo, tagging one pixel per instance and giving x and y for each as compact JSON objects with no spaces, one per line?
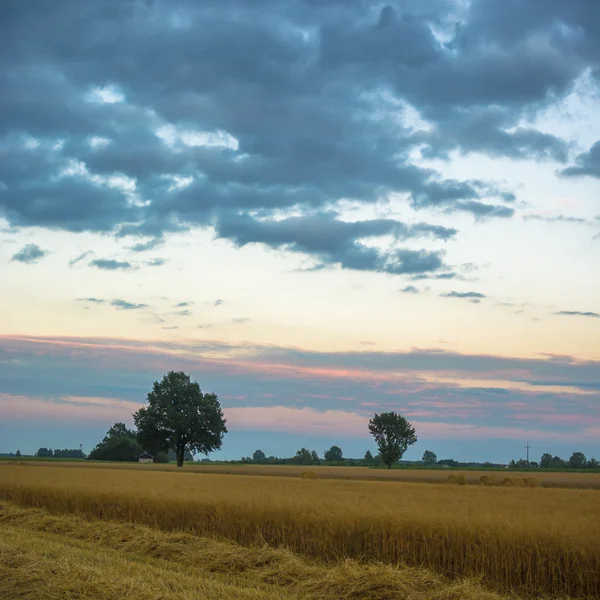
{"x":320,"y":209}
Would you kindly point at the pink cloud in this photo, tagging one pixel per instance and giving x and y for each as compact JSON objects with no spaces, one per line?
{"x":66,"y":409}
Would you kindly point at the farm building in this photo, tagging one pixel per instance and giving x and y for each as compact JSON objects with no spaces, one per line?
{"x":146,"y":458}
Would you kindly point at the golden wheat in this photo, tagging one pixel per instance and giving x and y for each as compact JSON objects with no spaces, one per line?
{"x":100,"y":559}
{"x":531,"y":540}
{"x":565,"y":479}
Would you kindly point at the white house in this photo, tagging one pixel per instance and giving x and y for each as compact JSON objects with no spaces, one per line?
{"x":146,"y":458}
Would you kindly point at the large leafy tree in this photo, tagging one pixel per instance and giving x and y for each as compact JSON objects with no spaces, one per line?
{"x":180,"y":417}
{"x":393,"y":435}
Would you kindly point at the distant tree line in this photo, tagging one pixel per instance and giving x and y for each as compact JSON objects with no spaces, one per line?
{"x":49,"y":453}
{"x":578,"y":460}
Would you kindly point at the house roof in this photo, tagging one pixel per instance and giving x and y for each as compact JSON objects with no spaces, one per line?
{"x":146,"y":455}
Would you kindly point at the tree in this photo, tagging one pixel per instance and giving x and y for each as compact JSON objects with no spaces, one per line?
{"x":259,"y":456}
{"x":123,"y":449}
{"x":180,"y":417}
{"x":429,"y":458}
{"x":303,"y":457}
{"x":546,"y":462}
{"x":393,"y":434}
{"x":592,"y":464}
{"x":334,"y":454}
{"x":18,"y":454}
{"x":577,"y":460}
{"x":369,"y":457}
{"x":45,"y":453}
{"x":315,"y":458}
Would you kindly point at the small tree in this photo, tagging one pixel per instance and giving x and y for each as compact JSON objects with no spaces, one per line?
{"x":180,"y":417}
{"x":18,"y":454}
{"x":429,"y":458}
{"x":303,"y":457}
{"x":369,"y":457}
{"x":546,"y":462}
{"x":334,"y":454}
{"x":259,"y":456}
{"x":393,"y":434}
{"x":592,"y":464}
{"x":315,"y":458}
{"x":577,"y":460}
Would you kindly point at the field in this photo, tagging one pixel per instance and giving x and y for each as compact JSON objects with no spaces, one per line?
{"x":566,"y":479}
{"x":287,"y":537}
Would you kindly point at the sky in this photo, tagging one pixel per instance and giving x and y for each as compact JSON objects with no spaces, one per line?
{"x":319,"y":209}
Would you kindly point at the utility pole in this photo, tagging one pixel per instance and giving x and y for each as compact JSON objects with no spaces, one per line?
{"x":527,"y":447}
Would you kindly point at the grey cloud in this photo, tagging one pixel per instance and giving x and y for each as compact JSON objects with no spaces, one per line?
{"x":184,"y":313}
{"x":468,"y":295}
{"x":145,"y":246}
{"x":110,"y":264}
{"x":554,"y":219}
{"x":124,"y":305}
{"x":182,"y":304}
{"x":313,"y":141}
{"x":240,"y":320}
{"x":92,"y":300}
{"x":29,"y":254}
{"x":156,"y":262}
{"x":577,"y":313}
{"x":332,"y":241}
{"x":219,"y":302}
{"x":587,"y":163}
{"x":80,"y":258}
{"x":410,"y":289}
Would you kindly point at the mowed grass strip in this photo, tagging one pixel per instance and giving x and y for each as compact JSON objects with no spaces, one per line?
{"x":530,"y":540}
{"x":33,"y":543}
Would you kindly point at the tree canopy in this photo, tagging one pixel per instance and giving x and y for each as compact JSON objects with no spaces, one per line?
{"x":429,"y":458}
{"x":334,"y":454}
{"x":180,"y":417}
{"x":393,"y":435}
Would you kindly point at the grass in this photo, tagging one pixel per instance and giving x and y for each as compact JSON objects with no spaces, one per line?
{"x":46,"y":556}
{"x":534,"y":541}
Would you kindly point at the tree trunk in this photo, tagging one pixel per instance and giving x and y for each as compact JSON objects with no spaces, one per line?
{"x":180,"y":455}
{"x":389,"y":465}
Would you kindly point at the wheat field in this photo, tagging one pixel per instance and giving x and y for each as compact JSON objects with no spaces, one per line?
{"x":532,"y":542}
{"x":566,"y":479}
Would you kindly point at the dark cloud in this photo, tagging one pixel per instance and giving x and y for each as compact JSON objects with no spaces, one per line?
{"x":410,"y":289}
{"x":110,"y":264}
{"x":92,"y":300}
{"x":587,"y":163}
{"x":29,"y":254}
{"x":124,"y":305}
{"x":298,"y":102}
{"x":184,"y":313}
{"x":577,"y":313}
{"x":183,"y":304}
{"x":332,"y":241}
